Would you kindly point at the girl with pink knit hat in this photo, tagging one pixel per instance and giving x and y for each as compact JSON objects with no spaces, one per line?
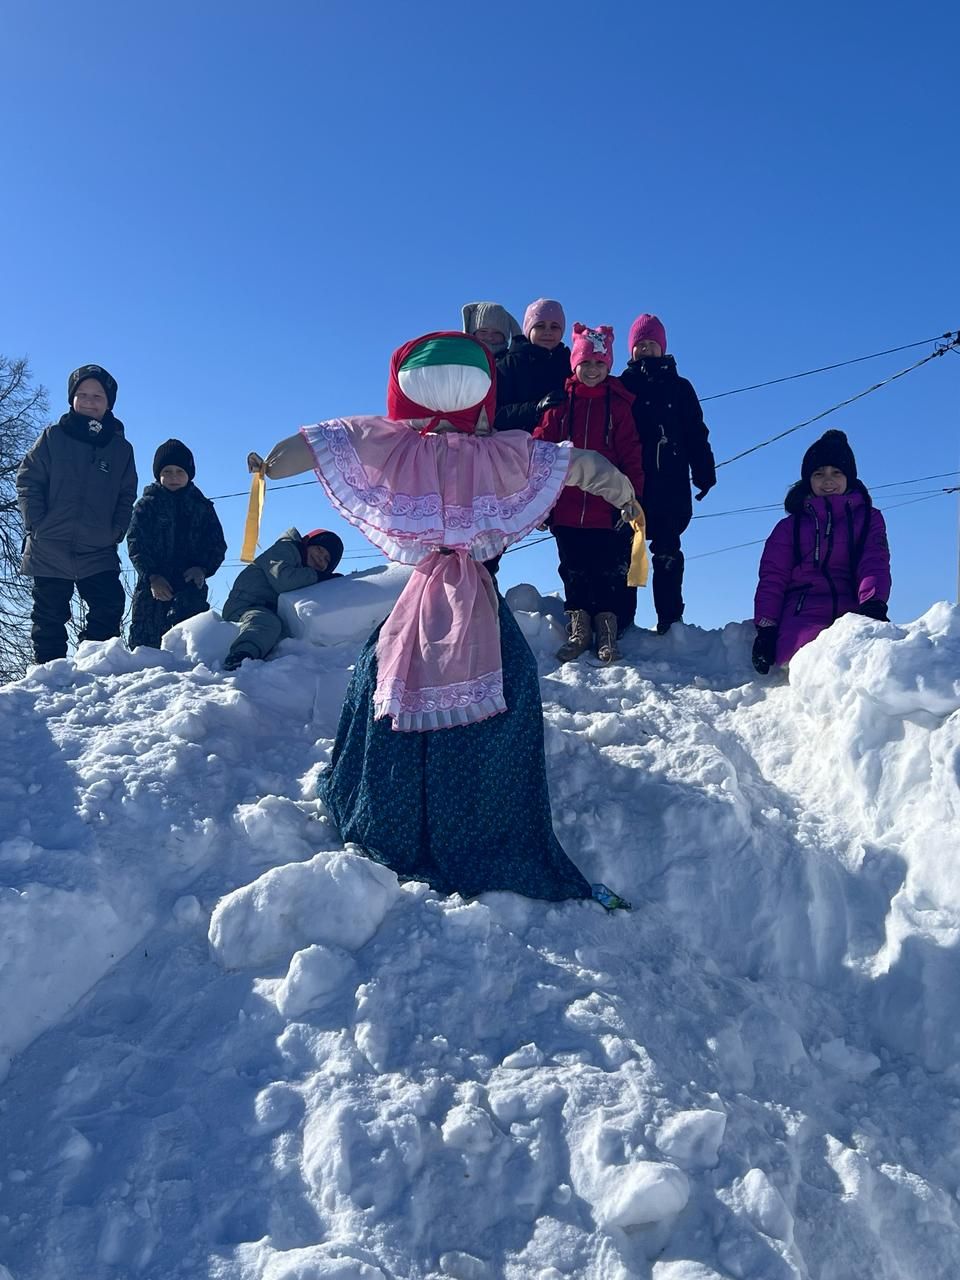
{"x":676,"y":449}
{"x":594,"y":414}
{"x":530,"y":376}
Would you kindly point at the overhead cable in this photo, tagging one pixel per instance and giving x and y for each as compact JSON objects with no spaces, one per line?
{"x":756,"y":542}
{"x":955,"y":339}
{"x":825,"y":368}
{"x":775,"y":506}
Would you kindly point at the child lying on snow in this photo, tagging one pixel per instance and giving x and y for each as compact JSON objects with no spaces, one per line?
{"x":827,"y":557}
{"x":291,"y":564}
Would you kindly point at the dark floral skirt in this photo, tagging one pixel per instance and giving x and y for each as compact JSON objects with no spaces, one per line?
{"x":467,"y":809}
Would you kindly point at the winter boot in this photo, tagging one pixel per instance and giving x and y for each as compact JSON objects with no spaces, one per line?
{"x":607,"y":650}
{"x":580,"y":636}
{"x":235,"y":656}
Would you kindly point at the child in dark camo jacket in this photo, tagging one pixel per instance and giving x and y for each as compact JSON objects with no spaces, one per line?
{"x":175,"y":543}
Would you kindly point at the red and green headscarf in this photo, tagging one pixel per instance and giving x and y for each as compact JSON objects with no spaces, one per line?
{"x":443,"y":376}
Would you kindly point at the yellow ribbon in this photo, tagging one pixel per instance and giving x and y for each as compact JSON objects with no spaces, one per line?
{"x":639,"y":562}
{"x":251,"y":529}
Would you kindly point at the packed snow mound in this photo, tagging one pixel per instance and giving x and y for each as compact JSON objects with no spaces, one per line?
{"x":342,"y":610}
{"x":336,"y":898}
{"x":904,"y":671}
{"x":202,"y":639}
{"x":239,"y":1050}
{"x":345,"y":608}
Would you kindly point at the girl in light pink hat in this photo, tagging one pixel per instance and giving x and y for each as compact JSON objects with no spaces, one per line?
{"x":530,"y":376}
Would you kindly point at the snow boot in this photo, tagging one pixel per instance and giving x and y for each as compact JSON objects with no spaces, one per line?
{"x":580,"y":636}
{"x":607,"y":650}
{"x":234,"y":658}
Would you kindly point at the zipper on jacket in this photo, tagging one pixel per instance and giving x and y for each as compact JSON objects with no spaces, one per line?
{"x":828,"y":537}
{"x":586,"y":445}
{"x":660,"y":443}
{"x":834,"y":598}
{"x":816,"y":538}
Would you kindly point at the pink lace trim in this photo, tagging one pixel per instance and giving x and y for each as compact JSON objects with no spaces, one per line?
{"x":389,"y":518}
{"x":440,"y":707}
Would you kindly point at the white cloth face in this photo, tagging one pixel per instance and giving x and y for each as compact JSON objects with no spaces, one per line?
{"x":445,"y":388}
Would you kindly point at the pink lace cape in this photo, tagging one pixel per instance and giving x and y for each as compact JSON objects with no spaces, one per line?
{"x":438,"y":654}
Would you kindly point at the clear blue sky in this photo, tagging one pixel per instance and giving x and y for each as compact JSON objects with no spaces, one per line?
{"x":240,"y":209}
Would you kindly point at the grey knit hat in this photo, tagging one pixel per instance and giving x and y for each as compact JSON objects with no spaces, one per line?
{"x":490,"y":315}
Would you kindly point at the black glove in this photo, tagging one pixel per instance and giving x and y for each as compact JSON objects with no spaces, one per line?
{"x":550,"y":399}
{"x":874,"y":608}
{"x":704,"y":491}
{"x":765,"y":649}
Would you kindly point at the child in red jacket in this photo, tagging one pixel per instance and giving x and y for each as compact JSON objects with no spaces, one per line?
{"x":594,"y":554}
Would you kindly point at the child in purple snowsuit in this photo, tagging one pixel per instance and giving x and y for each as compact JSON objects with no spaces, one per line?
{"x":829,"y":556}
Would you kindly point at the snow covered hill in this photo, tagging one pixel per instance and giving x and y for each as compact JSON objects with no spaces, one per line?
{"x":233,"y":1049}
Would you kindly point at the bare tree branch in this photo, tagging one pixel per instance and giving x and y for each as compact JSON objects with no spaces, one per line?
{"x":23,"y":415}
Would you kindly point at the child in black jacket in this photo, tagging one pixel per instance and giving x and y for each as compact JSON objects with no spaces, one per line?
{"x":532,"y":374}
{"x":175,"y":543}
{"x":676,"y":449}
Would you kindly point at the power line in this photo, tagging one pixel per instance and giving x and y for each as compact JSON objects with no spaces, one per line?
{"x":954,"y":337}
{"x":297,"y":484}
{"x":702,"y":555}
{"x":825,"y":368}
{"x":737,"y":511}
{"x":756,"y":542}
{"x":775,"y":506}
{"x":778,"y":506}
{"x":939,"y":493}
{"x":522,"y":546}
{"x":703,"y":515}
{"x":842,"y":404}
{"x":938,"y":475}
{"x":527,"y":543}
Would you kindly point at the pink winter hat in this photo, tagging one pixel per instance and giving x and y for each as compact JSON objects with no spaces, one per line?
{"x":591,"y":344}
{"x":543,"y":309}
{"x":648,"y":328}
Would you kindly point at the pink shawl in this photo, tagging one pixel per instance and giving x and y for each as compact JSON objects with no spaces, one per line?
{"x":418,"y":498}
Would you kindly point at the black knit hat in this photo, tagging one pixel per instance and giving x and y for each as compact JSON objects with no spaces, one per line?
{"x":106,"y":380}
{"x":173,"y":453}
{"x":324,"y":538}
{"x":831,"y":450}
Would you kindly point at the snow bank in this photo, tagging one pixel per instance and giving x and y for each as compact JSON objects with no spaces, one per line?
{"x":257,"y":1061}
{"x":319,"y":1262}
{"x":901,"y":671}
{"x":56,"y":944}
{"x":886,"y":700}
